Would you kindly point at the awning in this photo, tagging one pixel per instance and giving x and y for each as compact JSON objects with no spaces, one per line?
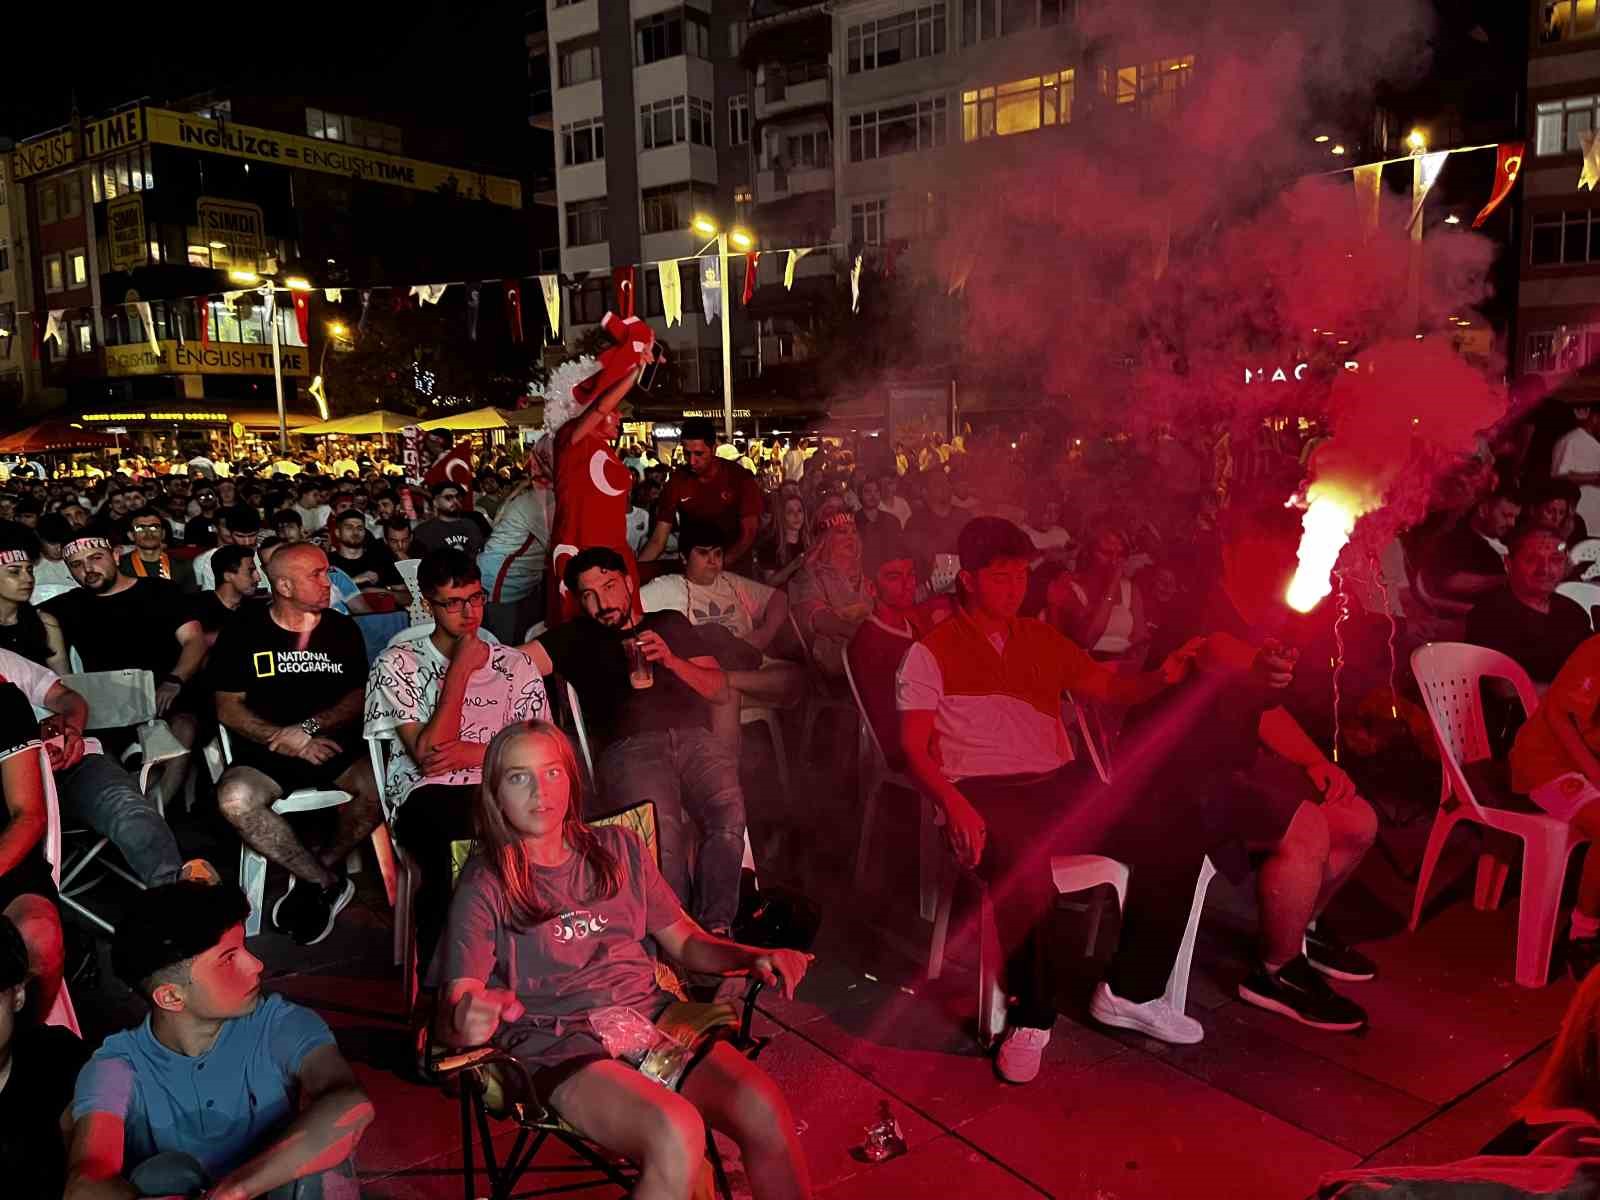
{"x":365,"y":424}
{"x":478,"y":418}
{"x":55,"y":437}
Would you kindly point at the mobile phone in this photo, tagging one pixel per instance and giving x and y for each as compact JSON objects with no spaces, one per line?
{"x":647,"y":377}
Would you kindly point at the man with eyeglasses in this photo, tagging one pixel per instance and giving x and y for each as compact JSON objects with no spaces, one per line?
{"x":443,"y":696}
{"x":149,"y":557}
{"x":289,"y":678}
{"x":449,"y":526}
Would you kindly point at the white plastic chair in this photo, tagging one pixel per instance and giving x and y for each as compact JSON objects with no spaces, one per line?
{"x":61,"y":1012}
{"x":406,"y":876}
{"x":1585,"y":595}
{"x":1071,"y":873}
{"x":253,"y":867}
{"x":1450,"y":675}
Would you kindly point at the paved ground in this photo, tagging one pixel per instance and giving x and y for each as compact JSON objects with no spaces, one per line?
{"x":1261,"y":1108}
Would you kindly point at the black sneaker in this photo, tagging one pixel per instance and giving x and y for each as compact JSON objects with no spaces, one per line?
{"x":1582,"y":954}
{"x":1336,"y":960}
{"x":1301,"y":994}
{"x":312,"y":920}
{"x":285,"y":910}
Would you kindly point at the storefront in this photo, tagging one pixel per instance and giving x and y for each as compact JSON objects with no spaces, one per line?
{"x":178,"y":431}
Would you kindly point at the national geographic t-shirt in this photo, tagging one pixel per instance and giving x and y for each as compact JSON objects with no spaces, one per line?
{"x":287,"y":677}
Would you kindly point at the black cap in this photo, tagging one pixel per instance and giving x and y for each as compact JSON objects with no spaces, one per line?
{"x":171,"y":923}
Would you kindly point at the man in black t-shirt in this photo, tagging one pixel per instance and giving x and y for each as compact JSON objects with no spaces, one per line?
{"x":449,"y":526}
{"x":38,"y":1064}
{"x":290,"y":678}
{"x":656,"y":739}
{"x":116,"y":622}
{"x":1525,"y":620}
{"x":362,"y":557}
{"x":1469,"y":561}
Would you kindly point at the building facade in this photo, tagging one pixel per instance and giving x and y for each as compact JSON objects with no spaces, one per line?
{"x":647,"y":98}
{"x":1558,"y":315}
{"x":143,"y":227}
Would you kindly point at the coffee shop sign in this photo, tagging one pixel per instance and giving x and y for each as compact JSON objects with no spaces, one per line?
{"x":1278,"y":375}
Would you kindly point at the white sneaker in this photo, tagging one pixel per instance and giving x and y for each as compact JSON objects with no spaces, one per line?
{"x":1155,"y":1018}
{"x":1017,"y":1060}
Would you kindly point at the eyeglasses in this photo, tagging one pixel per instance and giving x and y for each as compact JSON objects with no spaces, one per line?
{"x":460,"y":604}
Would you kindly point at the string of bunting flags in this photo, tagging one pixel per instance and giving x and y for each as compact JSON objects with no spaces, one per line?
{"x":54,"y":324}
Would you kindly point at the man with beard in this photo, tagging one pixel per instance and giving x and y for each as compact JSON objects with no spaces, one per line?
{"x":368,"y":563}
{"x":710,"y":490}
{"x":114,"y":622}
{"x":290,"y":677}
{"x":449,"y":525}
{"x":655,"y":738}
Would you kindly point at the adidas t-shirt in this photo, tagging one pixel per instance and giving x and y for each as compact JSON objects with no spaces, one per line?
{"x":285,"y":676}
{"x":734,"y":602}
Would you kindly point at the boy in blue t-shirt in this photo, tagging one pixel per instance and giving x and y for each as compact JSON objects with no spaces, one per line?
{"x":222,"y":1090}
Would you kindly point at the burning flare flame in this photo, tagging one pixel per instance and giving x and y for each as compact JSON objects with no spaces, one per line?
{"x":1325,"y":529}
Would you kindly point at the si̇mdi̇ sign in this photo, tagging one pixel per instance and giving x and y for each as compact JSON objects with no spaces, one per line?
{"x":217,"y":358}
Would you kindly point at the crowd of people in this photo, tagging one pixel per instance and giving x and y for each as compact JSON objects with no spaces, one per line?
{"x":961,"y":593}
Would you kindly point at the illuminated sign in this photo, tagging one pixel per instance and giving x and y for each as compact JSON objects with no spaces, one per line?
{"x":191,"y":358}
{"x":1295,"y":373}
{"x":125,"y":231}
{"x":63,"y":148}
{"x":196,"y":418}
{"x":333,"y":158}
{"x":715,"y":412}
{"x":235,"y":232}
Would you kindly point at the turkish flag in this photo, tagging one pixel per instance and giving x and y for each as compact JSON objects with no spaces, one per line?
{"x":750,"y":261}
{"x":622,"y":283}
{"x":1507,"y":166}
{"x":302,"y":316}
{"x":453,"y":466}
{"x":514,"y":309}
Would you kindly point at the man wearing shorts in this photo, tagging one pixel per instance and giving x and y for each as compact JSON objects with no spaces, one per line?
{"x":1554,"y":764}
{"x":290,"y":677}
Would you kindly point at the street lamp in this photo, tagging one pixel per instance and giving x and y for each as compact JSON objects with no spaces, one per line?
{"x":742,"y":240}
{"x":264,"y":284}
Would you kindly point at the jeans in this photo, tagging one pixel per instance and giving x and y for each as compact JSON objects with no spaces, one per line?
{"x":433,"y":816}
{"x":690,"y":775}
{"x":177,"y":1174}
{"x":99,"y":793}
{"x":1031,"y":818}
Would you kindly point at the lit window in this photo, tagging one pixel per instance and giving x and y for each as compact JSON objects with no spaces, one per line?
{"x":55,"y":275}
{"x":1563,"y":20}
{"x":1555,"y":350}
{"x":1153,"y":88}
{"x":1017,"y":107}
{"x":78,"y":267}
{"x":82,"y":338}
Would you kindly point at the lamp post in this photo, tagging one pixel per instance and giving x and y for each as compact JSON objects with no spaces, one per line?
{"x":742,"y":241}
{"x":268,"y":291}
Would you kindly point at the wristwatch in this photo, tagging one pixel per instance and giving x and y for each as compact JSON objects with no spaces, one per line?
{"x":312,"y":726}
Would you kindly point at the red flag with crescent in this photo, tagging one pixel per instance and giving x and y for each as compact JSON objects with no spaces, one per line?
{"x":1508,"y":165}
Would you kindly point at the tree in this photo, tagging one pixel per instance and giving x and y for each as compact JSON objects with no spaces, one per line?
{"x":419,"y":359}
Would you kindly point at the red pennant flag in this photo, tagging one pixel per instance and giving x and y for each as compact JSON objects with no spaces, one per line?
{"x":750,"y":261}
{"x":202,"y":312}
{"x":1507,"y":166}
{"x":623,"y":280}
{"x":302,"y":316}
{"x":514,"y":309}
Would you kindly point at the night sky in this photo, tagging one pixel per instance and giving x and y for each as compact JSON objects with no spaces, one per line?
{"x":462,"y":66}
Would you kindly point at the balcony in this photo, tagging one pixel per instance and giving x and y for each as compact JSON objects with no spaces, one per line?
{"x":779,"y":183}
{"x":782,"y":89}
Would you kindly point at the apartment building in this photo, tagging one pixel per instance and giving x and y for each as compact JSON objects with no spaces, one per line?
{"x":1558,"y":314}
{"x":650,"y":110}
{"x":18,"y":376}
